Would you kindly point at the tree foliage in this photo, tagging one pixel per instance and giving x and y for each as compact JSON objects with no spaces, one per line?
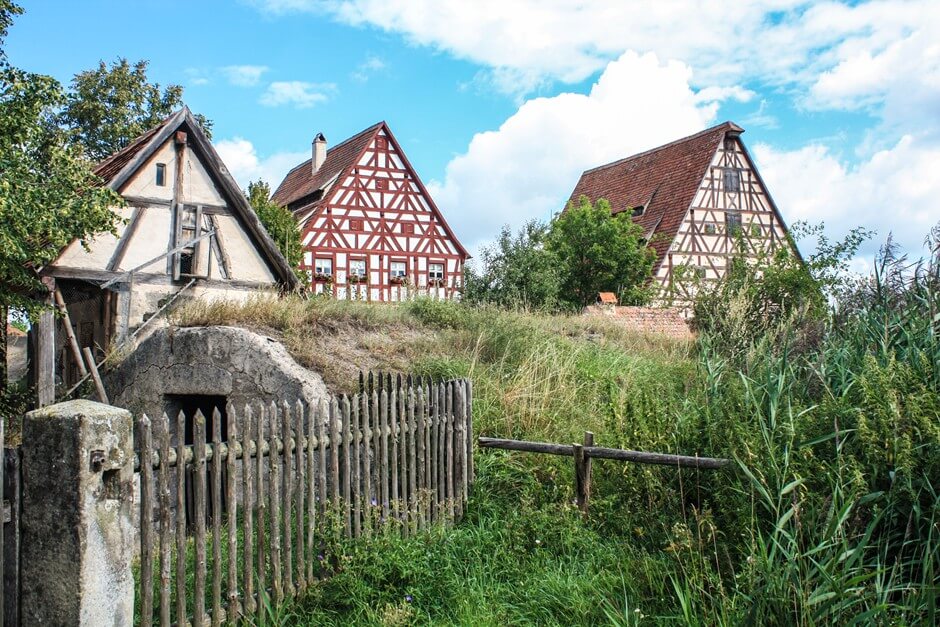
{"x":516,"y":270}
{"x":279,"y":222}
{"x":109,"y":106}
{"x":599,"y":251}
{"x":48,"y":194}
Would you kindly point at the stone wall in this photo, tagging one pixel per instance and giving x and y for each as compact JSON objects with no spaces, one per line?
{"x":654,"y":320}
{"x":241,"y":365}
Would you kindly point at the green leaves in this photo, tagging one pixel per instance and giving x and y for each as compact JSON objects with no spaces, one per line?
{"x":109,"y":106}
{"x":598,"y":251}
{"x":279,"y":222}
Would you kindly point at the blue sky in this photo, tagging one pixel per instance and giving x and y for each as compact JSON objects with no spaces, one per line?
{"x":500,"y":104}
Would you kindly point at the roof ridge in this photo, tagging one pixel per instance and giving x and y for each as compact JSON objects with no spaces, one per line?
{"x":342,"y":143}
{"x":146,"y":135}
{"x":728,"y":123}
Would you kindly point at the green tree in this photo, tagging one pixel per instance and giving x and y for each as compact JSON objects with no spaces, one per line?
{"x":279,"y":222}
{"x":109,"y":106}
{"x":598,"y":251}
{"x":49,"y":196}
{"x":516,"y":270}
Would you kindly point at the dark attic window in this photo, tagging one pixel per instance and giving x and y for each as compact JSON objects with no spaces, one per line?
{"x":161,"y":175}
{"x":732,"y":180}
{"x":638,"y":211}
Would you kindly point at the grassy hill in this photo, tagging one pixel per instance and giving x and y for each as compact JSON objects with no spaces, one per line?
{"x":830,"y":513}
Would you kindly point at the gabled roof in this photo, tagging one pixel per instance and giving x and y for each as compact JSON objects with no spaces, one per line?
{"x":302,"y":182}
{"x":118,"y":169}
{"x":303,"y":191}
{"x":663,"y":181}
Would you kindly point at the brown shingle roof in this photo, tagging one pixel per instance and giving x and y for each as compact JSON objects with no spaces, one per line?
{"x":662,"y":180}
{"x":111,"y":165}
{"x":301,"y":182}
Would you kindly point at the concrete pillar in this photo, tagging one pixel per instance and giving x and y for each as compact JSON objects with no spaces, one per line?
{"x":77,"y":526}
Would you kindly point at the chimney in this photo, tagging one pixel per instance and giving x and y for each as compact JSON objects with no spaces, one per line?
{"x":319,"y":153}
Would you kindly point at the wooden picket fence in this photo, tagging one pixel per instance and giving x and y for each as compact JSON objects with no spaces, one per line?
{"x":395,"y":458}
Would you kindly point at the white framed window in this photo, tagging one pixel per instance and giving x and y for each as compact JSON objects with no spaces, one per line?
{"x":357,"y":267}
{"x":435,"y":271}
{"x":161,"y":175}
{"x":324,"y":266}
{"x":397,"y":269}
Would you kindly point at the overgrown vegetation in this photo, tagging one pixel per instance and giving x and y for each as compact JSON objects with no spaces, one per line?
{"x":564,"y":264}
{"x":830,"y":516}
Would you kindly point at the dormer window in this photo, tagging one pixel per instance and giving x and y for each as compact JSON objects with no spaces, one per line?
{"x":638,"y":211}
{"x":161,"y":175}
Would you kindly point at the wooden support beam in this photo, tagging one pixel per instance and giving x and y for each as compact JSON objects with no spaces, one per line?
{"x":102,"y":395}
{"x":599,"y":452}
{"x":69,"y":332}
{"x":45,"y":359}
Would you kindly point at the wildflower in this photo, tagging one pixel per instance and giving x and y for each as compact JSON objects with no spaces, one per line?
{"x":408,"y":598}
{"x":320,"y":556}
{"x":538,"y":542}
{"x":374,"y":503}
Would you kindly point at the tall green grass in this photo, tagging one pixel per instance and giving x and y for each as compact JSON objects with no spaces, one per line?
{"x":830,"y":515}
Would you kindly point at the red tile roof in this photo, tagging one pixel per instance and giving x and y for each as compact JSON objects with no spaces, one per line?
{"x":662,"y":180}
{"x":302,"y":182}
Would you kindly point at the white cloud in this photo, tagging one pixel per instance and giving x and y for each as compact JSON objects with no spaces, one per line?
{"x":244,"y":75}
{"x":528,"y":167}
{"x":894,"y":191}
{"x":367,"y":68}
{"x":242,"y":160}
{"x":836,"y":54}
{"x":298,"y":93}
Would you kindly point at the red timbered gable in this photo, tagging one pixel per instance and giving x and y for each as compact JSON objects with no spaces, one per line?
{"x":700,"y":201}
{"x":371,"y":230}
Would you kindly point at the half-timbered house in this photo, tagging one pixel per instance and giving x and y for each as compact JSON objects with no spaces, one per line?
{"x":371,"y":230}
{"x":700,"y":200}
{"x":187,"y":230}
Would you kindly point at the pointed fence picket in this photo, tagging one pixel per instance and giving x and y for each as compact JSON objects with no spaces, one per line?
{"x":394,"y":458}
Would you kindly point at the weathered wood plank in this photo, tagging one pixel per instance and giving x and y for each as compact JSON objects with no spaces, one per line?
{"x":300,"y":471}
{"x":460,"y":444}
{"x":180,"y":519}
{"x":421,"y":483}
{"x":440,"y":420}
{"x":394,"y":471}
{"x":146,"y":522}
{"x":471,"y":471}
{"x":334,"y":454}
{"x":166,"y":533}
{"x":449,"y":443}
{"x":383,"y":467}
{"x":323,"y":413}
{"x":368,"y":451}
{"x":248,"y":528}
{"x":356,"y":478}
{"x":311,"y":492}
{"x":234,"y":610}
{"x":347,"y":465}
{"x":412,"y":462}
{"x":288,"y":499}
{"x":199,"y":493}
{"x":95,"y":375}
{"x":598,"y":452}
{"x":216,"y":517}
{"x":260,"y":510}
{"x":274,"y":478}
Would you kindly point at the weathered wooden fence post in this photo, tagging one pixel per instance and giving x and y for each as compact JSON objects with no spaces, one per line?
{"x":582,"y":473}
{"x":78,"y":506}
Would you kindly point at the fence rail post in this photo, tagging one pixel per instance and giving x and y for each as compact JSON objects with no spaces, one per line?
{"x":78,"y":515}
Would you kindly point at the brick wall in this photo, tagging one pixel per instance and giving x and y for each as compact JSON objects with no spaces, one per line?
{"x":654,"y":320}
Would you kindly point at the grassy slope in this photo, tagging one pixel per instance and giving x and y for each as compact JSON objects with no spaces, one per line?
{"x":765,"y":542}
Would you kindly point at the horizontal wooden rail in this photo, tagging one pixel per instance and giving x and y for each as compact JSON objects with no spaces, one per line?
{"x":600,"y":452}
